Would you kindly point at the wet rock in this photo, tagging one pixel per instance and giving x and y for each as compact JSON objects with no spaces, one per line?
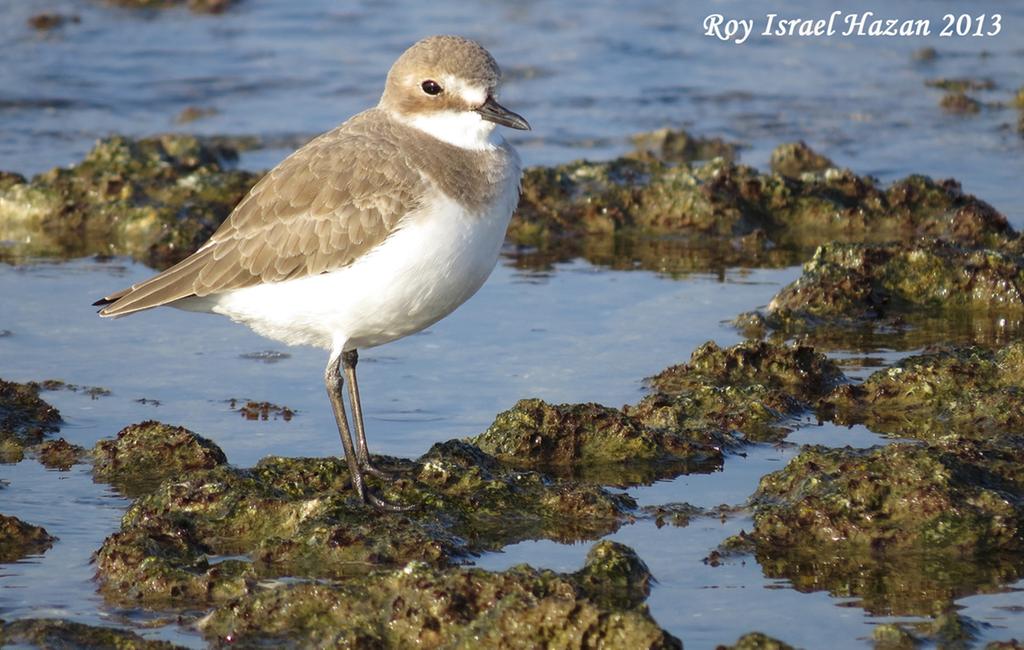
{"x":252,"y":410}
{"x":155,"y":199}
{"x":961,"y":84}
{"x":595,"y":443}
{"x":900,"y":497}
{"x":853,"y":291}
{"x":676,"y":145}
{"x":796,"y":158}
{"x":907,"y":529}
{"x":719,"y":202}
{"x":145,"y":454}
{"x":59,"y":633}
{"x":60,"y":454}
{"x":752,"y":387}
{"x":959,"y":103}
{"x":49,"y":20}
{"x":193,"y":113}
{"x":945,"y":394}
{"x":891,"y":636}
{"x":18,"y":539}
{"x":24,"y":419}
{"x":94,"y":392}
{"x":198,"y":6}
{"x":756,"y":641}
{"x":420,"y":606}
{"x":298,"y":517}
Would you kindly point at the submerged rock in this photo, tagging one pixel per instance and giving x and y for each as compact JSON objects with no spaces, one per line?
{"x":59,"y":633}
{"x":198,"y":6}
{"x":421,"y":606}
{"x":145,"y":454}
{"x":18,"y":539}
{"x":24,"y":419}
{"x":178,"y":546}
{"x":155,"y":199}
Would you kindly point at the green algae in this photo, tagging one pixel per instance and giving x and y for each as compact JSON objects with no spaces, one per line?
{"x":59,"y":633}
{"x":59,"y":454}
{"x":720,"y":201}
{"x":208,"y":535}
{"x":756,"y":641}
{"x":901,"y":295}
{"x":155,"y":199}
{"x":754,"y":388}
{"x":421,"y":606}
{"x":794,"y":159}
{"x":25,"y":419}
{"x":596,"y":443}
{"x":18,"y":539}
{"x":945,"y":394}
{"x":678,"y":146}
{"x":142,"y":455}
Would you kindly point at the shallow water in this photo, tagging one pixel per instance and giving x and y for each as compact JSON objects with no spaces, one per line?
{"x":586,"y":78}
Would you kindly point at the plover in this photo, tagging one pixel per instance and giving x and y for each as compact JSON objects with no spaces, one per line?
{"x":370,"y":232}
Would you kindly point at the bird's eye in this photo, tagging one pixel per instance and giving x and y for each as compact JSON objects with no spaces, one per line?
{"x":431,"y":87}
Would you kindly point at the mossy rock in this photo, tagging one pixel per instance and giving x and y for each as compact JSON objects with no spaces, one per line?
{"x":596,"y":443}
{"x":59,"y":633}
{"x":679,"y":146}
{"x":18,"y":539}
{"x":754,"y":388}
{"x":155,"y":199}
{"x":898,"y":498}
{"x":299,"y":517}
{"x":421,"y":606}
{"x":794,"y":159}
{"x":145,"y":454}
{"x":756,"y":641}
{"x":945,"y":394}
{"x":25,"y":419}
{"x":60,"y":454}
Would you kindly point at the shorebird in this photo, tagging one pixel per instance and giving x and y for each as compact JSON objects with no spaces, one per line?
{"x":371,"y":232}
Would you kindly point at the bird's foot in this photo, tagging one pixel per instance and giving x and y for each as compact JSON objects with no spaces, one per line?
{"x":384,"y":505}
{"x":389,"y":476}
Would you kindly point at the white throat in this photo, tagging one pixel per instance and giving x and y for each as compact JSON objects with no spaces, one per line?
{"x":464,"y":129}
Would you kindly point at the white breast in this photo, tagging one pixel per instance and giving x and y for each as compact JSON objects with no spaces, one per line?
{"x":437,"y":259}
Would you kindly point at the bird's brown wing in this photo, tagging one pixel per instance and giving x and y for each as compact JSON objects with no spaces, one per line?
{"x":321,"y":208}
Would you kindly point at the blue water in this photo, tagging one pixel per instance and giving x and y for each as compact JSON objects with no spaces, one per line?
{"x":586,"y":77}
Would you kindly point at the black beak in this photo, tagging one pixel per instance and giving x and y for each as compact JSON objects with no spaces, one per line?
{"x":492,"y":111}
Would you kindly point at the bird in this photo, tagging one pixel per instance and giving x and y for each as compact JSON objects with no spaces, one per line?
{"x":370,"y":232}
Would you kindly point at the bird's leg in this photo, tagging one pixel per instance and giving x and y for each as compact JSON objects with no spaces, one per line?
{"x":349,"y":359}
{"x":333,"y":380}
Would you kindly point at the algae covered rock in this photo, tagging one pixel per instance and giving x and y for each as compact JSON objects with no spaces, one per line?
{"x":421,"y":606}
{"x":951,"y":392}
{"x":752,"y":387}
{"x":24,"y":419}
{"x":907,"y":529}
{"x":155,"y":199}
{"x":795,"y":158}
{"x":676,"y":145}
{"x":18,"y":539}
{"x":60,"y":454}
{"x":899,"y":295}
{"x":298,"y":517}
{"x":595,"y":443}
{"x":756,"y":641}
{"x":899,"y":497}
{"x":144,"y":454}
{"x":59,"y":633}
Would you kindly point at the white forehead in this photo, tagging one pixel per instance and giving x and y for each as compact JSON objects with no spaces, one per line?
{"x":472,"y":94}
